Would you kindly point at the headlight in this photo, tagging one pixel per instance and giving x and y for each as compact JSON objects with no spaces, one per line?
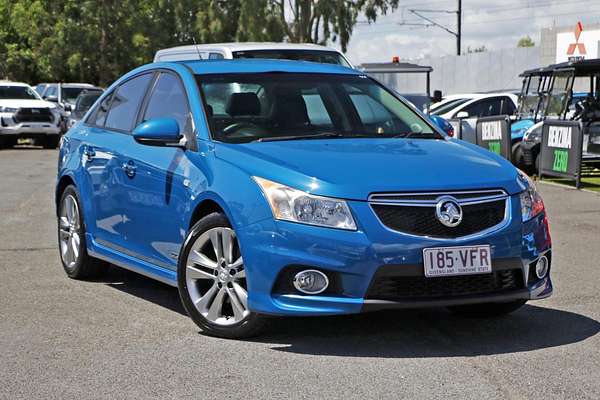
{"x":533,"y":134}
{"x":531,"y":201}
{"x":294,"y":205}
{"x":8,"y":109}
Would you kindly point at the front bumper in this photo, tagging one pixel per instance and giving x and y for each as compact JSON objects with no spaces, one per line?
{"x":27,"y":129}
{"x":353,"y":258}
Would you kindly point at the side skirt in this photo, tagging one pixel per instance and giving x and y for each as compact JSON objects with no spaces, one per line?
{"x":129,"y":262}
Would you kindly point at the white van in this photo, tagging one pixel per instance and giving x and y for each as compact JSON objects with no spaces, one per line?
{"x":287,"y":51}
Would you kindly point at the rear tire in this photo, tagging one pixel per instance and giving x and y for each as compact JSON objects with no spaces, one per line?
{"x":51,"y":141}
{"x":71,"y":239}
{"x":212,"y":281}
{"x":487,"y":309}
{"x":7,"y":142}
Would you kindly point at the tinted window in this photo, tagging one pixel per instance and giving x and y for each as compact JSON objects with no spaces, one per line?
{"x":168,"y":100}
{"x":40,"y":89}
{"x":69,"y":94}
{"x":484,"y":108}
{"x":125,"y":103}
{"x":51,"y":91}
{"x":508,"y":106}
{"x":215,"y":56}
{"x":99,"y":115}
{"x":17,"y":93}
{"x":449,"y":106}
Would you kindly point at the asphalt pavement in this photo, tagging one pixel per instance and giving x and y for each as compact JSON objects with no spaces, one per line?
{"x":126,"y":336}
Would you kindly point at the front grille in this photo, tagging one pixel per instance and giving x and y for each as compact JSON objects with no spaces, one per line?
{"x":415,"y":213}
{"x":33,"y":115}
{"x":422,"y":221}
{"x":421,"y":288}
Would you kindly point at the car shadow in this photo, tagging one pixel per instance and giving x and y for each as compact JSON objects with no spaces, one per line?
{"x":144,"y":288}
{"x":395,"y":333}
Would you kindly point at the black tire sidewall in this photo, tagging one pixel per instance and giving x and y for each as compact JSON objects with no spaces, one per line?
{"x":249,"y":326}
{"x":78,"y":269}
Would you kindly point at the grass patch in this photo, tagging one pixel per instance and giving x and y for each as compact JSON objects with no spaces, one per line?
{"x":590,"y":183}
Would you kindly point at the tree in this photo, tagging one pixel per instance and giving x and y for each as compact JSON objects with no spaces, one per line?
{"x":525,"y":41}
{"x":318,"y":21}
{"x":97,"y":41}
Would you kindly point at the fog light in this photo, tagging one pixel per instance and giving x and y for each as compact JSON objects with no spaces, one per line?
{"x":541,"y":267}
{"x":311,"y":281}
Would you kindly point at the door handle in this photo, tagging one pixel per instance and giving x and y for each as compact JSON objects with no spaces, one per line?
{"x":129,"y":168}
{"x":89,"y":153}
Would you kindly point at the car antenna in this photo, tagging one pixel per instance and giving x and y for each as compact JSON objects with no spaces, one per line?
{"x":196,"y":47}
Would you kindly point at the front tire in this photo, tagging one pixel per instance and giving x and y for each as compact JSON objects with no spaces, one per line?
{"x":71,"y":239}
{"x":51,"y":141}
{"x":488,"y":309}
{"x":212,"y":280}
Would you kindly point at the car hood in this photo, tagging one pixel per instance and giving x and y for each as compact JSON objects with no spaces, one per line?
{"x":355,"y":168}
{"x":13,"y":103}
{"x":518,"y":128}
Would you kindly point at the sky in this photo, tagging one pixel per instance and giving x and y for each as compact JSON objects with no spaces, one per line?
{"x":494,"y":24}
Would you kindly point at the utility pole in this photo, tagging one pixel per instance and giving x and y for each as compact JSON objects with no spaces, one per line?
{"x":458,"y":27}
{"x":430,"y":22}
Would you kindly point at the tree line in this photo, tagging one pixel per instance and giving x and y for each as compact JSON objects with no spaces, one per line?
{"x":98,"y":40}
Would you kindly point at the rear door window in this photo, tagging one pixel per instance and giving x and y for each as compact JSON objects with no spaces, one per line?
{"x":168,"y":100}
{"x":98,"y":117}
{"x":484,"y":108}
{"x":125,"y":103}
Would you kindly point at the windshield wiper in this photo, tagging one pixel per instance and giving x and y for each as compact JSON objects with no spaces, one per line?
{"x":301,"y":137}
{"x":411,"y":134}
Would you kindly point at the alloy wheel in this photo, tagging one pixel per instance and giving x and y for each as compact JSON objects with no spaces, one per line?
{"x":216,"y":278}
{"x":70,"y":231}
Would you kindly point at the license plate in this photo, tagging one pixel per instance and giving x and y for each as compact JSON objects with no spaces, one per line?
{"x":463,"y":260}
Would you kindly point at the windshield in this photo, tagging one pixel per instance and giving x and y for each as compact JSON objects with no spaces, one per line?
{"x":86,"y":100}
{"x":17,"y":93}
{"x":69,"y":94}
{"x":449,"y":106}
{"x":320,"y":56}
{"x":287,"y":106}
{"x":530,"y":96}
{"x":556,"y":100}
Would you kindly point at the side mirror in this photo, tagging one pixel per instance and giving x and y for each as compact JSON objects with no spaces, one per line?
{"x":53,"y":99}
{"x":158,"y":132}
{"x":68,"y":107}
{"x":462,"y":115}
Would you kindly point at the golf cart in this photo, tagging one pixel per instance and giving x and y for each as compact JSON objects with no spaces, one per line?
{"x":559,"y":102}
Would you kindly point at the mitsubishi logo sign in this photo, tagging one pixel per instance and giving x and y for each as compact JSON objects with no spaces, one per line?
{"x":580,"y":47}
{"x":577,"y":44}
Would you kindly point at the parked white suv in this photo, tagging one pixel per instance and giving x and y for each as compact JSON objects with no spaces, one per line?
{"x":286,"y":51}
{"x":23,"y":114}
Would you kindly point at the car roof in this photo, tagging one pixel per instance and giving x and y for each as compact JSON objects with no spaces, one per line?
{"x":10,"y":83}
{"x":261,"y":66}
{"x":246,"y":46}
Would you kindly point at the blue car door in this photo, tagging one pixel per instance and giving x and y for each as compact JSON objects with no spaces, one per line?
{"x":107,"y":135}
{"x":158,"y":193}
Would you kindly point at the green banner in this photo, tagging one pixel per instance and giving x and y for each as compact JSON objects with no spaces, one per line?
{"x":561,"y":160}
{"x":495,"y":147}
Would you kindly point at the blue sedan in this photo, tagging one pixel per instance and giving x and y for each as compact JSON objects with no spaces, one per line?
{"x":292,"y":188}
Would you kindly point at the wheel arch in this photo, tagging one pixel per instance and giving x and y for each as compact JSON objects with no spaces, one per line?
{"x":62,"y":184}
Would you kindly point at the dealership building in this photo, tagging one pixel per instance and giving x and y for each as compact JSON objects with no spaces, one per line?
{"x":500,"y":69}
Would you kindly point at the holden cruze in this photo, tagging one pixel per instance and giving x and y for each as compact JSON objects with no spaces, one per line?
{"x":291,"y":188}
